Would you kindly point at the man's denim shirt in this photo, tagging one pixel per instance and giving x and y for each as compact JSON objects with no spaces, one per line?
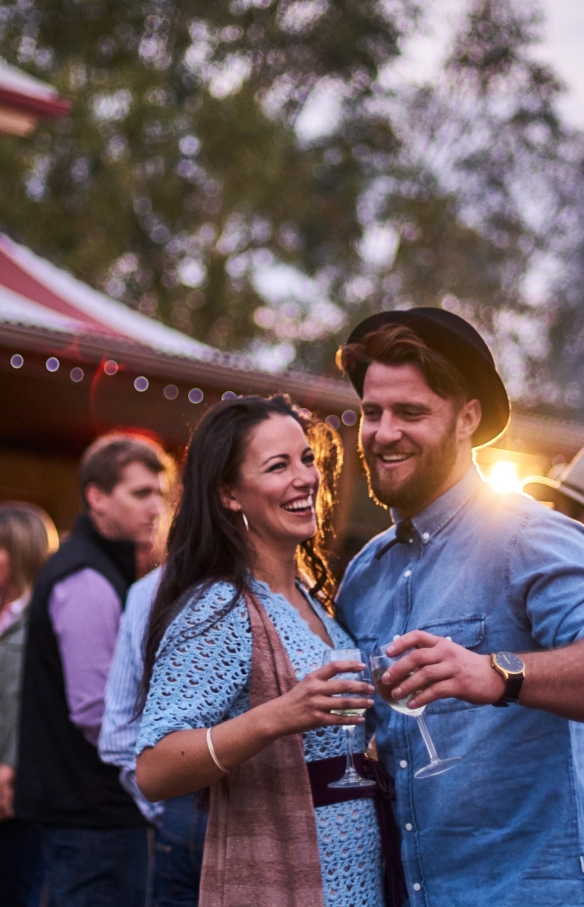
{"x":494,"y":572}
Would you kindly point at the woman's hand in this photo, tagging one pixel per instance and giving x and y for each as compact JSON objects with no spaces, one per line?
{"x":309,"y":705}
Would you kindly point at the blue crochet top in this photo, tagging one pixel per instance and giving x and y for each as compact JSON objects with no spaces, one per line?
{"x":203,"y":678}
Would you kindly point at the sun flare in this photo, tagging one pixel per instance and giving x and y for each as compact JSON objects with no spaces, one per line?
{"x":504,"y":477}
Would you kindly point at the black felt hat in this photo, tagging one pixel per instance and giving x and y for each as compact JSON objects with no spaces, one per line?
{"x":463,"y":346}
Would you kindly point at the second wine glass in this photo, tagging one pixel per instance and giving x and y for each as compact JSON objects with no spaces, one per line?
{"x":380,"y":662}
{"x":351,"y":778}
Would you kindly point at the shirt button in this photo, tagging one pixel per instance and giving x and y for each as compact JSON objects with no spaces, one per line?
{"x":409,"y":826}
{"x":403,"y":764}
{"x":408,"y":573}
{"x":397,"y":635}
{"x":416,"y":886}
{"x":425,"y":536}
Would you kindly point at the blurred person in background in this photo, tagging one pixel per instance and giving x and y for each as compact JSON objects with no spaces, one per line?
{"x":94,"y":839}
{"x":27,"y":537}
{"x":565,"y":492}
{"x":180,"y":823}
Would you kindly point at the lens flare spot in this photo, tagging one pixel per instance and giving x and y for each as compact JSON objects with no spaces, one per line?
{"x":110,"y":367}
{"x":17,"y":361}
{"x":171,"y":392}
{"x":195,"y":395}
{"x":77,"y":374}
{"x":333,"y":421}
{"x":504,"y":477}
{"x":228,"y":395}
{"x":141,"y":384}
{"x":349,"y":417}
{"x":52,"y":364}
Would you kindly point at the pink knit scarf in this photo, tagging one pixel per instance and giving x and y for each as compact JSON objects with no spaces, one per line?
{"x":261,"y":848}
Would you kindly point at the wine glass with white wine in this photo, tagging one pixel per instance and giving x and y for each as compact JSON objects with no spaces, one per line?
{"x":351,"y":778}
{"x":380,"y":662}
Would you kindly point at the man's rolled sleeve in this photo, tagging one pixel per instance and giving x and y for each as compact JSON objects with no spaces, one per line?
{"x":546,"y":574}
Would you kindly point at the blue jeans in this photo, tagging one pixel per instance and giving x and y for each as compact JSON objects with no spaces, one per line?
{"x":90,"y":867}
{"x":21,"y":869}
{"x":179,"y":841}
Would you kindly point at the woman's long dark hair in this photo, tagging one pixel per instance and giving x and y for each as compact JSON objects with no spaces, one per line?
{"x":207,"y":542}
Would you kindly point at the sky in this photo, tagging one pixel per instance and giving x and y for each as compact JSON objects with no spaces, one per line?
{"x":562,"y":47}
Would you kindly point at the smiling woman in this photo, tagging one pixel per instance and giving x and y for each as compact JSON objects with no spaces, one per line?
{"x":238,"y":700}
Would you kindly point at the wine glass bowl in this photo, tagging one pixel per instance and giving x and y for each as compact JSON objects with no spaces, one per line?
{"x":379,"y":662}
{"x":379,"y":665}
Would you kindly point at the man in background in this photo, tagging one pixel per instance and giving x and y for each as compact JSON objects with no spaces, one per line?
{"x":94,"y":838}
{"x":179,"y":823}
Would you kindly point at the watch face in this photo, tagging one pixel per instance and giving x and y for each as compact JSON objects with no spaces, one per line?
{"x":509,"y":662}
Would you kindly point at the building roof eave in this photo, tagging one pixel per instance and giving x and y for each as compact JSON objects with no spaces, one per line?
{"x":21,"y":92}
{"x":38,"y":107}
{"x":227,"y":370}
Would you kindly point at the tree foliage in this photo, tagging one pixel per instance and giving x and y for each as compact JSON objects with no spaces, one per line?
{"x":252,"y":172}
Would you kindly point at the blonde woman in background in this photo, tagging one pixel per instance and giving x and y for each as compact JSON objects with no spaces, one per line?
{"x":27,"y":537}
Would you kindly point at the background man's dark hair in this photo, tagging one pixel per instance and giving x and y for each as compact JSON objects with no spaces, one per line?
{"x":103,"y":462}
{"x":396,"y":344}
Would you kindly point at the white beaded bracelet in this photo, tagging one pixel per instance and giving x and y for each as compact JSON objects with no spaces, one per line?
{"x":212,"y":752}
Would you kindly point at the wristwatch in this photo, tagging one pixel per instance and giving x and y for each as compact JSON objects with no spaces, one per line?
{"x":512,"y":668}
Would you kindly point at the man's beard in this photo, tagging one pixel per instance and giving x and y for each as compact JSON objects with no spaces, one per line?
{"x":434,"y":465}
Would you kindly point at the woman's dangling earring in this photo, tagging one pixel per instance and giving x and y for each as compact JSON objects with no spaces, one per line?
{"x":245,"y":520}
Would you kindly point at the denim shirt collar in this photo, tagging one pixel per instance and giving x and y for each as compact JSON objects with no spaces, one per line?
{"x":435,"y":516}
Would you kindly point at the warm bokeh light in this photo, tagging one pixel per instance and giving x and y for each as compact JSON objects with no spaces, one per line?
{"x":504,"y":477}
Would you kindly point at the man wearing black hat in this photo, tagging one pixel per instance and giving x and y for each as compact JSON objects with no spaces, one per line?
{"x":481,"y":596}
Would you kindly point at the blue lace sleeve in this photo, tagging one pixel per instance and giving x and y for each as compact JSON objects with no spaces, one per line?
{"x":200,"y":678}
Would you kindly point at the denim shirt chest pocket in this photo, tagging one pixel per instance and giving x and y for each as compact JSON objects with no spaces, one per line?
{"x":469,"y":632}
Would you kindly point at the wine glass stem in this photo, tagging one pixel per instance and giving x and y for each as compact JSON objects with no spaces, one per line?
{"x":350,"y":736}
{"x":427,"y":739}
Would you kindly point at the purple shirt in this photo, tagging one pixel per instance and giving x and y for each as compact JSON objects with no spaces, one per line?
{"x":85,"y":612}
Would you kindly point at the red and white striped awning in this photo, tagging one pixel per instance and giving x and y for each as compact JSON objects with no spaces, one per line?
{"x":24,"y":100}
{"x":37,"y":294}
